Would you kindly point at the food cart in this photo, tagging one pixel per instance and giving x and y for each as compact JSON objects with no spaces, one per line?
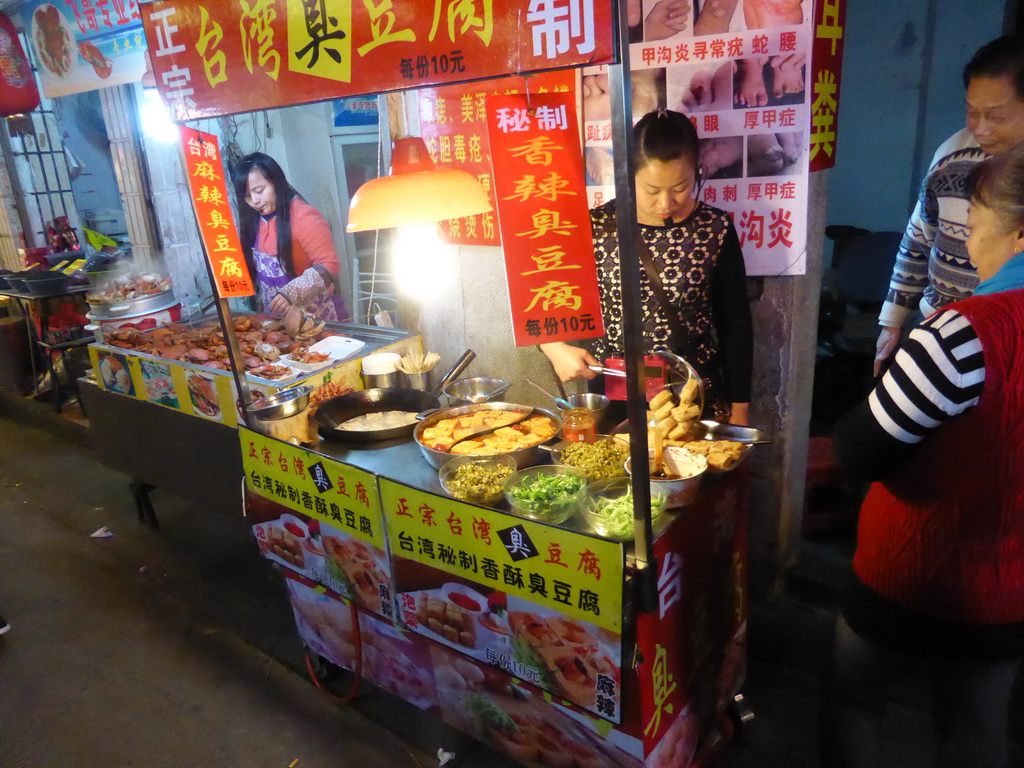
{"x":555,"y":645}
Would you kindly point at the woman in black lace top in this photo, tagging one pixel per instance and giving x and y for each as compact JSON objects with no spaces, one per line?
{"x":697,"y":254}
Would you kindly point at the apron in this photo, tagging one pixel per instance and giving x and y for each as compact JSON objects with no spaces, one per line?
{"x":271,"y":277}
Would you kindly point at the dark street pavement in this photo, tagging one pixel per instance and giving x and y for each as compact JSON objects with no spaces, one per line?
{"x":177,"y":647}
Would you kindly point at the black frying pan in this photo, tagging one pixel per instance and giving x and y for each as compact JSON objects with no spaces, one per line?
{"x":344,"y":407}
{"x":340,"y":409}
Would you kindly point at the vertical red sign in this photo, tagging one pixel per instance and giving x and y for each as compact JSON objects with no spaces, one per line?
{"x":453,"y":123}
{"x":827,"y":73}
{"x":205,"y":173}
{"x":543,"y":218}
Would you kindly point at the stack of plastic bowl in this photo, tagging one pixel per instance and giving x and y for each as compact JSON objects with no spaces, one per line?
{"x":381,"y":370}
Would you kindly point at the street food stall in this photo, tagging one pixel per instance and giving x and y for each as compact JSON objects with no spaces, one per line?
{"x":570,"y":597}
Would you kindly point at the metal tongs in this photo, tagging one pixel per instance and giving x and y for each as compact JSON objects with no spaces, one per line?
{"x":620,"y":374}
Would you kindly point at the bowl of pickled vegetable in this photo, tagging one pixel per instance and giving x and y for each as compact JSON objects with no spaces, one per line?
{"x":604,"y":457}
{"x":477,"y":479}
{"x":608,"y":508}
{"x":551,"y":493}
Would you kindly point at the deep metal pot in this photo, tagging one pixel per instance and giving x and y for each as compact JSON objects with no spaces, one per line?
{"x":126,"y":307}
{"x":524,"y":457}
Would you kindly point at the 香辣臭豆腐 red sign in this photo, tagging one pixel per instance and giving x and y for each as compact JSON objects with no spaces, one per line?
{"x":544,"y":220}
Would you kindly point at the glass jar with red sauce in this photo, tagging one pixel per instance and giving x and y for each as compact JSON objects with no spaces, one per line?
{"x":579,"y":425}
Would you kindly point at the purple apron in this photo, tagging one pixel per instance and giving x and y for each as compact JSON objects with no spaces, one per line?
{"x":271,"y":277}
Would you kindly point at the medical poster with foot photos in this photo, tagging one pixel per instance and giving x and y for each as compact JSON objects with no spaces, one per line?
{"x":739,"y":70}
{"x":540,"y":602}
{"x":318,"y":518}
{"x":692,"y":649}
{"x":391,"y":658}
{"x":489,"y":705}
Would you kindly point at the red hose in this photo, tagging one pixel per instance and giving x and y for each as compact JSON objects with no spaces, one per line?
{"x":357,"y":666}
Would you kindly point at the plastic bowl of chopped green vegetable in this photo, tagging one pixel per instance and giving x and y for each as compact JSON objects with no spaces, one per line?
{"x":551,"y":493}
{"x":605,"y":456}
{"x":478,"y":479}
{"x":608,"y":508}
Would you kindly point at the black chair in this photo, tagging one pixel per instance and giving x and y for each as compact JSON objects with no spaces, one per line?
{"x":851,"y":298}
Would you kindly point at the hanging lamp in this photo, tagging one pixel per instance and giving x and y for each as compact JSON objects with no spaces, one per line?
{"x":416,"y":192}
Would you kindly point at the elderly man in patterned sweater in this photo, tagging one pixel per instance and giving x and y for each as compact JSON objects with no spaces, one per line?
{"x":932,"y":268}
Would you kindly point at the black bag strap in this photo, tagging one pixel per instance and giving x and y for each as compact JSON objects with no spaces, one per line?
{"x":654,"y":275}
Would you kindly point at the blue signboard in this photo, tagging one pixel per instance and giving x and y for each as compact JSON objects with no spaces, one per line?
{"x":356,"y":112}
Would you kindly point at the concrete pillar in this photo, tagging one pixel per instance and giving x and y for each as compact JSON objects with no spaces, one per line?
{"x":785,"y":331}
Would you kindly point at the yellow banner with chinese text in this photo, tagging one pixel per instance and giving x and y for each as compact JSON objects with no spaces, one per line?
{"x":334,"y":493}
{"x":566,"y":571}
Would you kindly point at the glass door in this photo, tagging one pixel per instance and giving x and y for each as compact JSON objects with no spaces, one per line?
{"x":356,"y":161}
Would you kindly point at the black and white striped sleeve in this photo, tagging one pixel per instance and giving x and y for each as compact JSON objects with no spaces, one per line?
{"x":937,"y":374}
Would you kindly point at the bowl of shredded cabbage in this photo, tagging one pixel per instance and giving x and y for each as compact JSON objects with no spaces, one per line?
{"x":608,"y":508}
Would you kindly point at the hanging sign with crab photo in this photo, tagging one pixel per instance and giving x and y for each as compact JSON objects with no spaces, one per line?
{"x":81,"y":46}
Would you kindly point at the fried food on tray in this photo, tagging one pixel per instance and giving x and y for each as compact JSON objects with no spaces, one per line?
{"x":443,"y":435}
{"x":721,"y":454}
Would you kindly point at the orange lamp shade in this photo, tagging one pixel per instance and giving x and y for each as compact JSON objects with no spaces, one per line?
{"x":416,"y":192}
{"x":18,"y":91}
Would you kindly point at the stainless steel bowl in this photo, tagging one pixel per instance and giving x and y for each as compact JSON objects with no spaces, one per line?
{"x":597,"y":404}
{"x":524,"y":457}
{"x":281,"y":405}
{"x":473,"y":391}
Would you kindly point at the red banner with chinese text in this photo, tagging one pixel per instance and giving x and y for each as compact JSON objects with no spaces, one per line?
{"x":544,"y":220}
{"x":827,"y":73}
{"x":453,"y":124}
{"x":693,"y":647}
{"x":216,"y":58}
{"x":205,"y":173}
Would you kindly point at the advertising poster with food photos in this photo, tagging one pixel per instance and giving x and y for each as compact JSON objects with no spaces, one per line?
{"x":739,"y":70}
{"x":493,"y":707}
{"x":394,"y":660}
{"x":541,"y":602}
{"x":82,"y":45}
{"x":692,"y":647}
{"x":319,"y":518}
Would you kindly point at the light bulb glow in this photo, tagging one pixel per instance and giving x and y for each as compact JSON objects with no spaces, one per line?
{"x":156,"y":123}
{"x":425,"y":267}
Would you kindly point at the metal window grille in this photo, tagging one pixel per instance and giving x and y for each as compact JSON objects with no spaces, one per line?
{"x":37,"y":150}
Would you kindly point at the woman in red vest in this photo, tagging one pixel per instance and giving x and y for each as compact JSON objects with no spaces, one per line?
{"x":286,"y":241}
{"x":938,"y":573}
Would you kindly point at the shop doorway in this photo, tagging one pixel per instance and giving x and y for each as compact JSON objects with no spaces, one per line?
{"x":356,"y":161}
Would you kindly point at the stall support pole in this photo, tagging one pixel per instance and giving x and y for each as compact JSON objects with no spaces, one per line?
{"x":234,"y":351}
{"x":632,"y":315}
